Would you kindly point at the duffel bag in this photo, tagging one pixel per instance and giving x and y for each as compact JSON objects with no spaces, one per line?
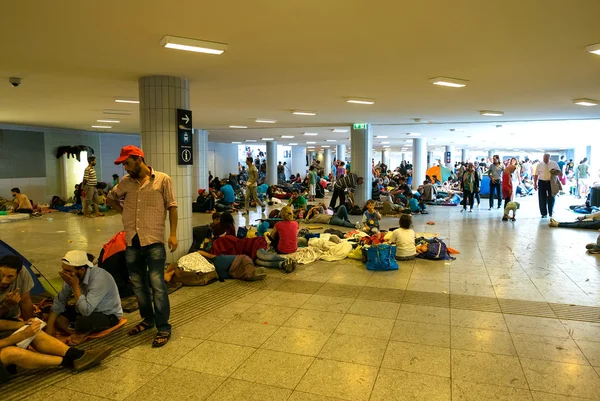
{"x":382,"y":257}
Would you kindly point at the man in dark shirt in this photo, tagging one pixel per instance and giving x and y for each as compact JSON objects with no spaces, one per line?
{"x":348,"y":182}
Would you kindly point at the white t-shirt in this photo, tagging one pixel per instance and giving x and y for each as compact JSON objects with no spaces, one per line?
{"x":405,"y":242}
{"x":542,"y":170}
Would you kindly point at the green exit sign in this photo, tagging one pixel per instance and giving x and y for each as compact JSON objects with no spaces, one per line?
{"x":359,"y":126}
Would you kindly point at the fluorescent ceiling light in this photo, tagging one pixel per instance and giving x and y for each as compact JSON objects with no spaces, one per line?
{"x":235,"y":142}
{"x":595,"y":48}
{"x":331,"y":140}
{"x":238,"y":126}
{"x":193,"y":45}
{"x":339,"y":130}
{"x":358,"y":100}
{"x":117,"y":111}
{"x":109,"y":121}
{"x":250,"y":140}
{"x":326,"y":146}
{"x":268,"y":139}
{"x":310,"y":147}
{"x":491,"y":113}
{"x":585,"y":102}
{"x":311,"y":134}
{"x":385,"y":142}
{"x":408,"y":141}
{"x":292,"y":144}
{"x":119,"y":100}
{"x":381,"y":136}
{"x":386,"y":146}
{"x":287,"y":136}
{"x":414,"y":134}
{"x":451,"y":82}
{"x":102,"y":126}
{"x":310,"y":142}
{"x":260,"y":120}
{"x":304,"y":113}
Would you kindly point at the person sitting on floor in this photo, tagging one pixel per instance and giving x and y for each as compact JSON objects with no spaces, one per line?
{"x":205,"y":202}
{"x":370,"y":218}
{"x":49,"y":351}
{"x":415,"y":205}
{"x":226,"y":198}
{"x":587,"y":221}
{"x":23,"y":203}
{"x":511,"y":206}
{"x":272,"y":260}
{"x":226,"y":225}
{"x":285,"y":233}
{"x":97,"y":303}
{"x":318,"y":215}
{"x":404,"y":239}
{"x":594,"y":248}
{"x":15,"y":285}
{"x":298,"y":203}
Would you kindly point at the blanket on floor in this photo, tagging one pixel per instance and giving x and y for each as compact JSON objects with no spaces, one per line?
{"x":230,"y":245}
{"x":321,"y":249}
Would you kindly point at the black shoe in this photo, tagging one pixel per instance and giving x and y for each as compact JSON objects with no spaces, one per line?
{"x":91,"y":357}
{"x":544,"y":216}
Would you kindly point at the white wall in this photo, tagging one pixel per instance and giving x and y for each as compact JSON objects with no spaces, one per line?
{"x":34,"y":188}
{"x":226,"y":159}
{"x":109,"y":150}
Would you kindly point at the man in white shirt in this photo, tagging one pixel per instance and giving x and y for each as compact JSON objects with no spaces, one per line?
{"x":542,"y":182}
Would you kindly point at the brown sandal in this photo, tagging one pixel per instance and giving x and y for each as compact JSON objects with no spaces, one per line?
{"x":140,"y":327}
{"x":161,"y":339}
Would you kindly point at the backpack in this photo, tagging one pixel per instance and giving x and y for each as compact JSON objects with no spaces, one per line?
{"x":242,"y":232}
{"x":436,"y":249}
{"x":355,"y":211}
{"x":273,"y":214}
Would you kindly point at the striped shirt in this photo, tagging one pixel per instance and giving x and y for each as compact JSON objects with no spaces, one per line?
{"x":145,"y":206}
{"x":252,"y":176}
{"x":89,"y":176}
{"x":348,"y":182}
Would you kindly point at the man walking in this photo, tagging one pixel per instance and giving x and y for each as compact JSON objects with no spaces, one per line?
{"x":147,"y":196}
{"x":252,"y":185}
{"x":495,"y":174}
{"x":545,"y":181}
{"x":348,"y":182}
{"x":89,"y":186}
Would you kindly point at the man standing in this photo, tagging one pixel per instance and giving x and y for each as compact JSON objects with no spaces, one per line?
{"x":89,"y":186}
{"x":545,"y":181}
{"x":495,"y":174}
{"x":348,"y":182}
{"x":280,"y":174}
{"x":252,"y":185}
{"x":148,"y":195}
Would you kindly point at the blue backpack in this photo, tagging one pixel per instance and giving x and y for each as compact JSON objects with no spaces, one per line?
{"x":436,"y":249}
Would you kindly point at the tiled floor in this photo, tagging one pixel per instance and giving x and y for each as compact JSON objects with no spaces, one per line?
{"x":482,"y":327}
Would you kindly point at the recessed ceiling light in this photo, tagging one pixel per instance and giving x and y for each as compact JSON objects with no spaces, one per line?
{"x":385,"y":142}
{"x":408,"y":141}
{"x":381,"y":136}
{"x":451,"y":82}
{"x":109,"y":121}
{"x":125,"y":100}
{"x":102,"y":126}
{"x":331,"y":140}
{"x":292,"y":144}
{"x":585,"y":102}
{"x":193,"y":45}
{"x":250,"y":140}
{"x":310,"y":147}
{"x":311,"y":134}
{"x":414,"y":134}
{"x":326,"y":146}
{"x":491,"y":113}
{"x":310,"y":142}
{"x":118,"y":112}
{"x":304,"y":113}
{"x":287,"y":136}
{"x":268,"y":139}
{"x":386,"y":146}
{"x":235,"y":142}
{"x":595,"y":48}
{"x":339,"y":130}
{"x":238,"y":126}
{"x":358,"y":100}
{"x":260,"y":120}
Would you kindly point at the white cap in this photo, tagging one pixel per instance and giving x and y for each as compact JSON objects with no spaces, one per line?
{"x":77,"y":258}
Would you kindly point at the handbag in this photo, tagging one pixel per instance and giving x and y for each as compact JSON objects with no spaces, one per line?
{"x":382,"y":257}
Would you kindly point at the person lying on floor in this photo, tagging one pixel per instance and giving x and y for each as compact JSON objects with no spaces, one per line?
{"x":49,"y":351}
{"x":594,"y":248}
{"x":15,"y":285}
{"x":318,"y":216}
{"x":284,"y":236}
{"x":587,"y":221}
{"x":97,"y":303}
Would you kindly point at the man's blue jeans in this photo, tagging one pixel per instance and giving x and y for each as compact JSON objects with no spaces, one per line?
{"x":146,"y":265}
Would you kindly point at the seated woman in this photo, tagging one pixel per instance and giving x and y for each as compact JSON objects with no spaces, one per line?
{"x":226,"y":225}
{"x":404,"y":239}
{"x":317,"y":215}
{"x":284,"y":237}
{"x":587,"y":221}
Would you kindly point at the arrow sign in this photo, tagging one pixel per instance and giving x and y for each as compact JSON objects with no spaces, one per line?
{"x":185,"y":144}
{"x":186,"y":119}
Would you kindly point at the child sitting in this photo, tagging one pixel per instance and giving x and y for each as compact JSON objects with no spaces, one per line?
{"x":416,"y":206}
{"x":371,"y":218}
{"x":404,"y":239}
{"x":512,"y":205}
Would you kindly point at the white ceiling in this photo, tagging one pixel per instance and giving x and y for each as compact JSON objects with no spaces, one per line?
{"x":527,"y":59}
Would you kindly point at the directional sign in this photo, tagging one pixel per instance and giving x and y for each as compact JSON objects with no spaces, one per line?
{"x":185,"y":148}
{"x":359,"y":126}
{"x":448,"y":157}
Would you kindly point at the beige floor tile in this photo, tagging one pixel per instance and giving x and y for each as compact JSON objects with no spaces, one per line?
{"x":182,"y":383}
{"x":240,"y":332}
{"x":314,"y":320}
{"x":548,"y":348}
{"x":424,"y":314}
{"x":297,"y":341}
{"x":339,"y":290}
{"x":278,"y":369}
{"x":539,"y":396}
{"x":349,"y":348}
{"x":392,"y":385}
{"x":494,"y":342}
{"x":328,"y":304}
{"x":381,"y":294}
{"x":421,"y":333}
{"x":342,"y":277}
{"x":343,"y":380}
{"x":215,"y":358}
{"x":417,"y":358}
{"x":479,"y":277}
{"x":175,"y":349}
{"x":236,"y":390}
{"x":116,"y":379}
{"x":583,"y":330}
{"x":487,"y":368}
{"x":202,"y":327}
{"x":232,"y":310}
{"x":478,"y":320}
{"x":388,"y":280}
{"x":428,"y":285}
{"x":364,"y":307}
{"x":366,"y":326}
{"x":591,"y":350}
{"x":468,"y":391}
{"x":56,"y":393}
{"x":271,"y":314}
{"x":475,"y":290}
{"x":301,"y":396}
{"x":539,"y":326}
{"x":255,"y":296}
{"x":300,"y":286}
{"x":282,"y":298}
{"x":561,"y":378}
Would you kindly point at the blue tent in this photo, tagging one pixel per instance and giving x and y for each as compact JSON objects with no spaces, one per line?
{"x":38,"y":288}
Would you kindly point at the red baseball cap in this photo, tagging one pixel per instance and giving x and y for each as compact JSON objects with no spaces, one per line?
{"x":127,"y":151}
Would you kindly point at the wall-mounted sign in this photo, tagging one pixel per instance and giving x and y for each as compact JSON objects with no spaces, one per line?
{"x":185,"y":150}
{"x":448,"y":157}
{"x":359,"y":126}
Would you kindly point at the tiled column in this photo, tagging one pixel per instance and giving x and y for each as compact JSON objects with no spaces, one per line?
{"x":385,"y":158}
{"x":341,"y":152}
{"x":200,"y":171}
{"x":430,"y":160}
{"x":299,"y":160}
{"x":327,"y":161}
{"x":272,"y":163}
{"x":464,"y":155}
{"x":419,"y":161}
{"x":362,"y":145}
{"x":160,"y":97}
{"x":321,"y":158}
{"x":313,"y":156}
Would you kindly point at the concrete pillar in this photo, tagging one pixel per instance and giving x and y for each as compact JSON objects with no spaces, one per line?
{"x":327,"y":162}
{"x":464,"y":154}
{"x":313,"y":156}
{"x":160,"y":97}
{"x":299,"y":160}
{"x":419,"y":161}
{"x":321,"y":158}
{"x":490,"y":154}
{"x":403,"y":157}
{"x":430,"y":159}
{"x":341,"y":152}
{"x":385,"y":157}
{"x":362,"y":145}
{"x":272,"y":163}
{"x":200,"y":171}
{"x":449,"y":157}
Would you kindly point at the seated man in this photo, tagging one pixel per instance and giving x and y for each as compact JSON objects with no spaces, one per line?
{"x":587,"y":221}
{"x":415,"y":205}
{"x":97,"y":303}
{"x":298,"y":202}
{"x":15,"y":285}
{"x":226,"y":198}
{"x":317,"y":215}
{"x":24,"y":204}
{"x":50,"y":351}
